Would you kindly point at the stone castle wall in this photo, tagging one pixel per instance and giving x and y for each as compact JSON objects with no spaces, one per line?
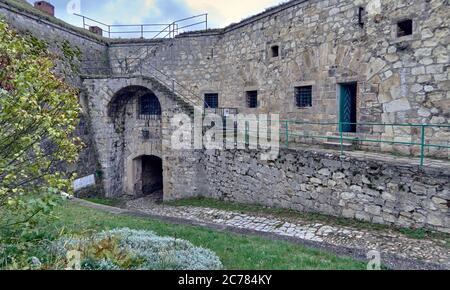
{"x":365,"y":188}
{"x":400,"y":79}
{"x":119,"y":140}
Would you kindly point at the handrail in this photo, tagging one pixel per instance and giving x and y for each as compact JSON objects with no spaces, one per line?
{"x":173,"y":28}
{"x":169,"y":82}
{"x":356,"y":135}
{"x":286,"y":132}
{"x":366,"y":124}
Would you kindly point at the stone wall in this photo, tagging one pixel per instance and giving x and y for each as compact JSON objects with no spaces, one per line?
{"x":61,"y":38}
{"x":119,"y":139}
{"x":400,"y":79}
{"x":321,"y":44}
{"x":365,"y":188}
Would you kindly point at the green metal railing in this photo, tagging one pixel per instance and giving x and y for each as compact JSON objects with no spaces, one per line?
{"x":422,"y":140}
{"x":418,"y":138}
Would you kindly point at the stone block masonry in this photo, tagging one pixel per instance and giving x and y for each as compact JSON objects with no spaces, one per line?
{"x":312,"y":181}
{"x":400,"y":76}
{"x":321,"y":44}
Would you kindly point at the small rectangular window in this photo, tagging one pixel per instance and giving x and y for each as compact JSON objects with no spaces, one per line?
{"x":404,"y":28}
{"x":212,"y":101}
{"x":252,"y":99}
{"x":361,"y":12}
{"x":275,"y":51}
{"x":303,"y":96}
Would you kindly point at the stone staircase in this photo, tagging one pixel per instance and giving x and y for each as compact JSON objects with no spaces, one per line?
{"x":188,"y":100}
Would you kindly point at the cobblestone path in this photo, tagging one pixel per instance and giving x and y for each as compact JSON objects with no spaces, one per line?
{"x":386,"y":241}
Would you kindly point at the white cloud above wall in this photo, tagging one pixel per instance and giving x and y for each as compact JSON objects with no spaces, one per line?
{"x":225,"y":12}
{"x":221,"y":12}
{"x":132,"y":12}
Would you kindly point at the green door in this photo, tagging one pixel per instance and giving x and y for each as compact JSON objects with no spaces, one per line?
{"x":347,"y":111}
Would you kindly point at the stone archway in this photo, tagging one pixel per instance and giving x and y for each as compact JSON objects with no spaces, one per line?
{"x":136,"y":113}
{"x":122,"y":134}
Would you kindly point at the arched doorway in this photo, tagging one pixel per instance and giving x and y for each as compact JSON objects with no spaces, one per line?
{"x":136,"y":113}
{"x":149,"y":177}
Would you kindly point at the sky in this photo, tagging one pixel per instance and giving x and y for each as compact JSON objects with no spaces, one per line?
{"x":220,"y":12}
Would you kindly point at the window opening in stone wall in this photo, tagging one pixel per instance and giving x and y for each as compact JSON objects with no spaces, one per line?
{"x":361,"y":11}
{"x":212,"y":101}
{"x":404,"y":28}
{"x":275,"y":51}
{"x":303,"y":96}
{"x":252,"y":99}
{"x":149,"y":107}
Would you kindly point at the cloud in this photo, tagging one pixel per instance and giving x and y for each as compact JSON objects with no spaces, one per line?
{"x":132,"y":12}
{"x":220,"y":12}
{"x":225,"y":12}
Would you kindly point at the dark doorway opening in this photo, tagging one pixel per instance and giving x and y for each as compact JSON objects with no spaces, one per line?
{"x":152,"y":177}
{"x":348,"y":107}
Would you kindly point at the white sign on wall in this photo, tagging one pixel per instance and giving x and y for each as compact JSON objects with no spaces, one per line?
{"x":84,"y":182}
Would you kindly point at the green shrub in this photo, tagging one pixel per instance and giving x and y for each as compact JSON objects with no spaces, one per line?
{"x":137,"y":250}
{"x":38,"y":117}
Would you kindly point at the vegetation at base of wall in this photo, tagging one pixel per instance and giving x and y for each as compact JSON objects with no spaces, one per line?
{"x":235,"y":251}
{"x":126,"y":249}
{"x":312,"y":217}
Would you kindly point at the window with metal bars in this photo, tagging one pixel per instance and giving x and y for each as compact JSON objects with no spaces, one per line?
{"x":303,"y":96}
{"x":252,"y":99}
{"x":149,"y":105}
{"x":212,"y":101}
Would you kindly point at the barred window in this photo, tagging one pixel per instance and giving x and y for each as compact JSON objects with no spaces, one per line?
{"x":303,"y":96}
{"x":252,"y":99}
{"x":149,"y":105}
{"x":212,"y":101}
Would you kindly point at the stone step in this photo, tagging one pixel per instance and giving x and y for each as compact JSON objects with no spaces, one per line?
{"x":347,"y":140}
{"x":337,"y":145}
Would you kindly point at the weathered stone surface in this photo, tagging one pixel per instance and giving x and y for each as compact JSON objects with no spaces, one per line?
{"x":397,"y":195}
{"x":398,"y":106}
{"x":400,"y":80}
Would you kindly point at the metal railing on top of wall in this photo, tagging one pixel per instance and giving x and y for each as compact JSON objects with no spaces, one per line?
{"x":148,"y":31}
{"x":292,"y":132}
{"x":134,"y":65}
{"x":291,"y":129}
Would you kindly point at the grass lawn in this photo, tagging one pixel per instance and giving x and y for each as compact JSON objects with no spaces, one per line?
{"x":212,"y":203}
{"x":237,"y":252}
{"x":105,"y":201}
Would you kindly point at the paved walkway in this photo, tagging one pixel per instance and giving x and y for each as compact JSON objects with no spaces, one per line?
{"x":390,"y":242}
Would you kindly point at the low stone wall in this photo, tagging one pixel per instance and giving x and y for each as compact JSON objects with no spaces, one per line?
{"x":371,"y":190}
